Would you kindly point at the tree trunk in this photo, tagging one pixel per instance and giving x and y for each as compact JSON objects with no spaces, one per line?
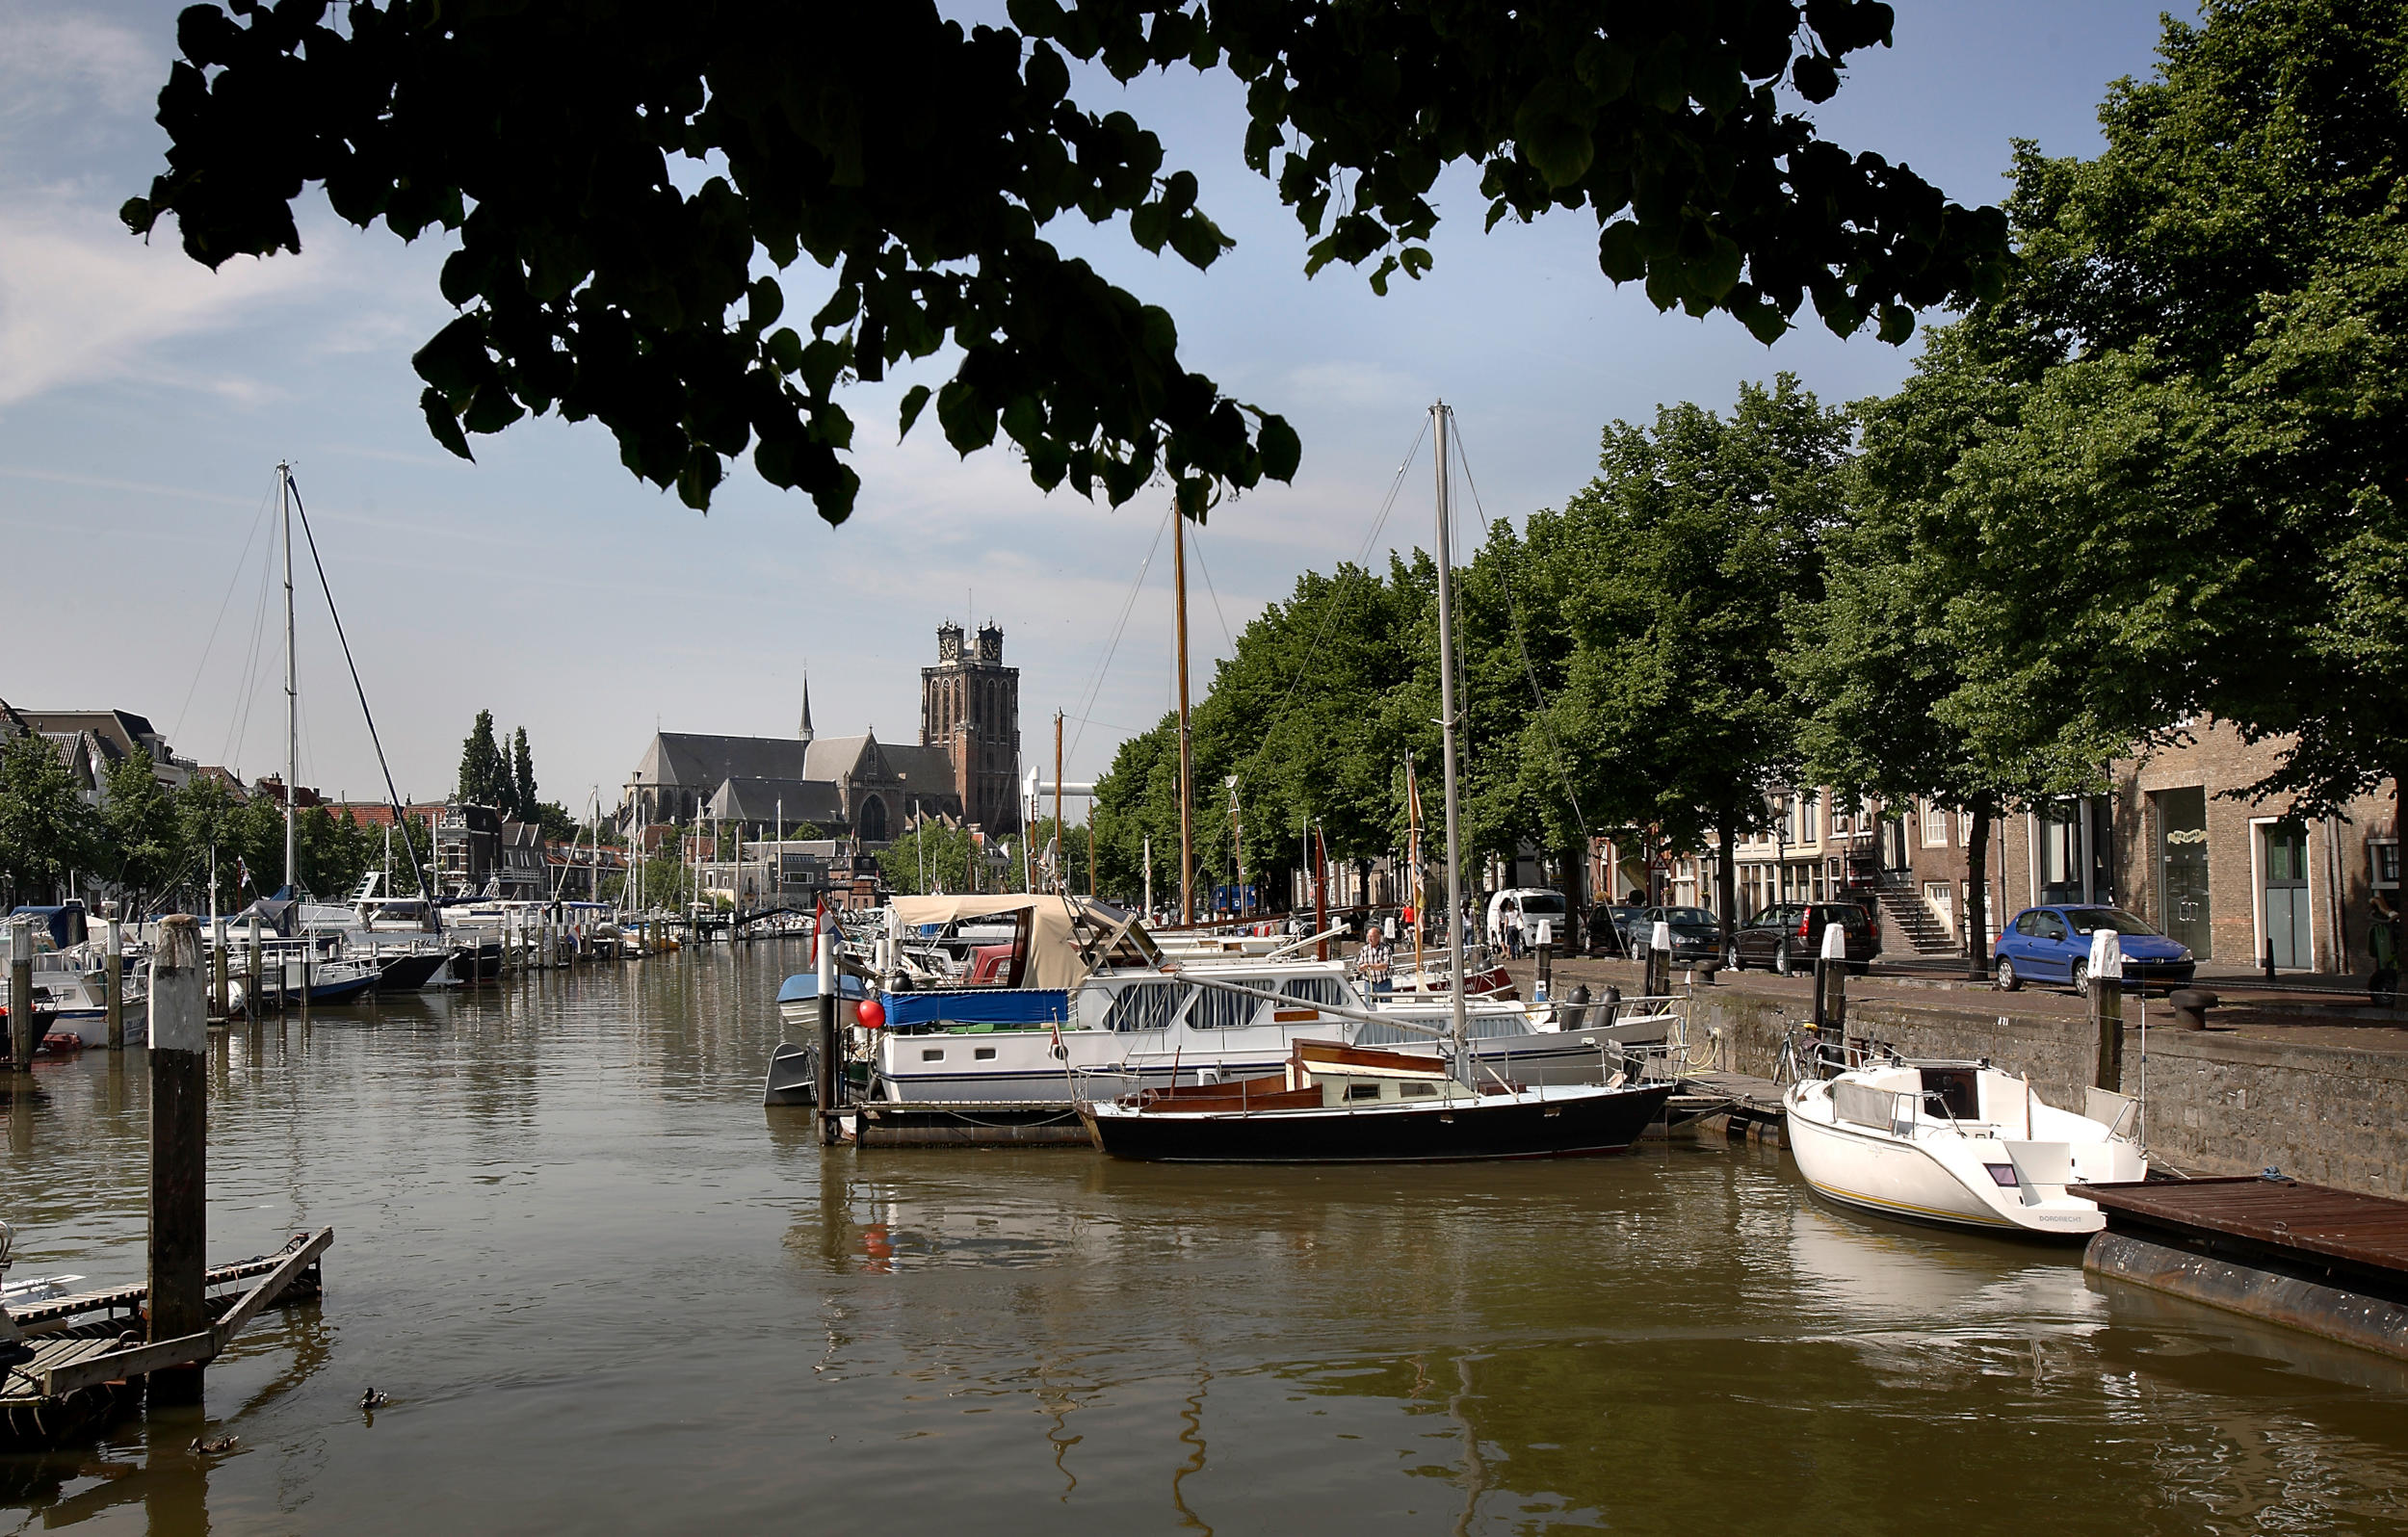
{"x":1727,"y":875}
{"x":1977,"y":896}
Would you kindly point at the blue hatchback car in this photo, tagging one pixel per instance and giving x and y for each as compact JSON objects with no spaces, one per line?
{"x":2052,"y":945}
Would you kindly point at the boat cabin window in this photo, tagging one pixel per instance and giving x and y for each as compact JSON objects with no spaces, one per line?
{"x":1417,"y":1091}
{"x":1328,"y":990}
{"x":1362,"y":1091}
{"x":982,"y":1053}
{"x":1954,"y":1091}
{"x":1218,"y":1010}
{"x":931,"y":1054}
{"x":1145,"y":1007}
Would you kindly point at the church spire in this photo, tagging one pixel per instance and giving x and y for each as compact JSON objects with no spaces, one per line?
{"x":806,"y":708}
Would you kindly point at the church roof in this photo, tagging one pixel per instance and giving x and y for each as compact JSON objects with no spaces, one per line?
{"x":688,"y":760}
{"x":812,"y":800}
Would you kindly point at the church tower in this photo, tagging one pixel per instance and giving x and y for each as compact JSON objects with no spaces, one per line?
{"x":806,"y":733}
{"x":970,"y":706}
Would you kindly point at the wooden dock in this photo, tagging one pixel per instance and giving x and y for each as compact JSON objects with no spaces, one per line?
{"x":80,"y":1357}
{"x":1735,"y":1105}
{"x":965,"y":1123}
{"x":2332,"y":1262}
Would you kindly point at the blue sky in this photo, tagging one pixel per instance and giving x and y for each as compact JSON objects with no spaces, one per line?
{"x":145,"y":401}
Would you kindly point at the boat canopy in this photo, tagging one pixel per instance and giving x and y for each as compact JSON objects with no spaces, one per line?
{"x":1067,"y":937}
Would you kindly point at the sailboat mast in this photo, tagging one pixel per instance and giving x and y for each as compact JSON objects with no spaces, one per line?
{"x":1187,"y":762}
{"x":1446,"y":728}
{"x":292,"y":689}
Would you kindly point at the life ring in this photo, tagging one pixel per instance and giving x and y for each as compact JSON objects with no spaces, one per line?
{"x":1061,"y":1053}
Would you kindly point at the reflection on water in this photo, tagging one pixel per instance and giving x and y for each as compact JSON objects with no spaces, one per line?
{"x":607,"y":1290}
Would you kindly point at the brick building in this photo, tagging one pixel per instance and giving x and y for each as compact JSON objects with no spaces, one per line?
{"x":970,"y":709}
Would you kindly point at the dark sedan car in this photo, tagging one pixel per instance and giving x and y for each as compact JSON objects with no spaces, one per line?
{"x":1788,"y":936}
{"x":1615,"y":929}
{"x":2052,"y":945}
{"x":1696,"y":935}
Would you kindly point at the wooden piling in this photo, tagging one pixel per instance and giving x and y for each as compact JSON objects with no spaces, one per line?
{"x":217,"y":1009}
{"x":827,"y":1068}
{"x":114,"y":980}
{"x":252,"y":997}
{"x":179,"y":1151}
{"x":22,"y":1038}
{"x":309,"y":953}
{"x":2107,"y":1019}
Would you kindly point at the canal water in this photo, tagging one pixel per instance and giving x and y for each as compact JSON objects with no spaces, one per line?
{"x":608,"y":1291}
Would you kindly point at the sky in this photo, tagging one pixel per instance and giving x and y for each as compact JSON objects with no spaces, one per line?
{"x":145,"y":403}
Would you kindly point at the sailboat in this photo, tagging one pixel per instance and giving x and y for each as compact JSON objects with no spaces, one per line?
{"x":1341,"y":1104}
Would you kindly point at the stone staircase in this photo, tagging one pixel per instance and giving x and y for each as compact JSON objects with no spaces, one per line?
{"x":1907,"y":914}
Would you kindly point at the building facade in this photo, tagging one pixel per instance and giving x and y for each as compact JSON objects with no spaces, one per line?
{"x":970,"y":709}
{"x":964,"y":767}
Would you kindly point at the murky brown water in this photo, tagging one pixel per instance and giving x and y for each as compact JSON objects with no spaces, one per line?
{"x":608,"y":1291}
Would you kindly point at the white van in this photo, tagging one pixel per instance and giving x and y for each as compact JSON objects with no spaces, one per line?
{"x":1515,"y":913}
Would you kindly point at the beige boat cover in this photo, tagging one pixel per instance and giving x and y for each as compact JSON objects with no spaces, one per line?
{"x":1056,"y":957}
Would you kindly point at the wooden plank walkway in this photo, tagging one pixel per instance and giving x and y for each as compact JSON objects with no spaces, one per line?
{"x":2331,"y":1263}
{"x":81,"y":1351}
{"x":2364,"y":1234}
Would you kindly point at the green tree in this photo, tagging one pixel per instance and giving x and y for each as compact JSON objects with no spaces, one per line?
{"x":485,"y":774}
{"x":557,"y":826}
{"x":1673,"y":573}
{"x":47,"y":832}
{"x":917,"y":163}
{"x":1888,"y":667}
{"x":2204,"y":481}
{"x":523,"y":806}
{"x":932,"y":856}
{"x":138,"y":848}
{"x":204,"y":811}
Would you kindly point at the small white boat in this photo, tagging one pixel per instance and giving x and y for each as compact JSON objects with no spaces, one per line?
{"x":1961,"y":1144}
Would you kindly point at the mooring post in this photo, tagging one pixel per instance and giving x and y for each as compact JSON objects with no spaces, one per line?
{"x":826,"y":1073}
{"x":308,"y":952}
{"x":1831,"y":987}
{"x":1659,"y":978}
{"x":21,"y":1036}
{"x":179,"y":1149}
{"x":250,"y":991}
{"x":114,"y":980}
{"x":2106,"y":1006}
{"x":217,"y":1009}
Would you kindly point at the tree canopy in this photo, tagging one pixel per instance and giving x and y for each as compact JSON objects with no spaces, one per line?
{"x":629,"y":189}
{"x":2194,"y":499}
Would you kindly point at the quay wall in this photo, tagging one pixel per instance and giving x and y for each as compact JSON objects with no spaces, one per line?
{"x":2217,"y":1102}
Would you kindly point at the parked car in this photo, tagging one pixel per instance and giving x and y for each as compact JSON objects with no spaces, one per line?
{"x":2052,"y":945}
{"x":1788,"y":936}
{"x":1696,"y":933}
{"x":1615,"y":929}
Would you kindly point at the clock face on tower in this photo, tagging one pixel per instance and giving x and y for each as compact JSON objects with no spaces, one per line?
{"x":949,"y":645}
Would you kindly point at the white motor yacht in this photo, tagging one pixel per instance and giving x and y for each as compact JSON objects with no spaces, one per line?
{"x":1961,"y":1144}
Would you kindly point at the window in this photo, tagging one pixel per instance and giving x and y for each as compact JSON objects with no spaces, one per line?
{"x":1417,"y":1091}
{"x":1808,"y":816}
{"x":2089,"y":919}
{"x":931,"y":1054}
{"x":1321,"y":990}
{"x":1145,"y":1007}
{"x":2048,"y":926}
{"x":1362,"y":1091}
{"x":1934,"y":823}
{"x":982,"y":1053}
{"x":2383,"y":861}
{"x":1217,"y":1009}
{"x":1964,"y":829}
